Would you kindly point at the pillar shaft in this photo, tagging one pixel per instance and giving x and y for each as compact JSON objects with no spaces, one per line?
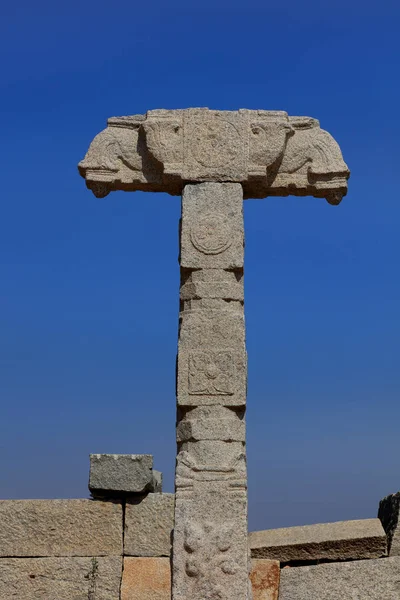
{"x":210,"y":535}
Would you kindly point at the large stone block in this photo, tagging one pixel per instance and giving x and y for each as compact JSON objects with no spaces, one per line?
{"x":344,"y":540}
{"x":219,"y":329}
{"x":210,"y":551}
{"x":389,"y":509}
{"x":265,"y":577}
{"x":212,"y":226}
{"x":211,"y":423}
{"x":82,"y":578}
{"x":146,"y":579}
{"x":358,"y":580}
{"x":121,"y":474}
{"x":150,"y":579}
{"x":60,"y":528}
{"x":148,"y":525}
{"x":268,"y":152}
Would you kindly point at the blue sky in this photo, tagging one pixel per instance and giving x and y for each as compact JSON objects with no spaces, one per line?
{"x":89,"y":288}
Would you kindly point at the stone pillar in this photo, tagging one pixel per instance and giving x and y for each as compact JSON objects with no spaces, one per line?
{"x":210,"y":550}
{"x":261,"y":153}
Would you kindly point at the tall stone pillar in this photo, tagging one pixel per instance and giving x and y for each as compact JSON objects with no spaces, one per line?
{"x":210,"y":537}
{"x":226,"y":155}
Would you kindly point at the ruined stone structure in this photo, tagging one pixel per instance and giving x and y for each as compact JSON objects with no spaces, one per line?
{"x":117,"y":545}
{"x":213,"y":159}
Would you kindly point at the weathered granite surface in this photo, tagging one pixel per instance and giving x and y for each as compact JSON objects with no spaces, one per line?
{"x":149,"y":521}
{"x":344,"y":540}
{"x":389,"y":509}
{"x":210,"y":551}
{"x":121,"y":474}
{"x":214,"y":158}
{"x":150,"y":579}
{"x":60,"y":578}
{"x":157,"y":481}
{"x":265,"y":578}
{"x":268,"y":152}
{"x":60,"y":528}
{"x":146,"y":579}
{"x":358,"y":580}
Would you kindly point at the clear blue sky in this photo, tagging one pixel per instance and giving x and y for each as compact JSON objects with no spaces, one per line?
{"x":89,"y":288}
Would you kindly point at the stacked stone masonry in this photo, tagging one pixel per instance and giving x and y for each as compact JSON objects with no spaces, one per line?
{"x":76,"y":550}
{"x":121,"y":548}
{"x":210,"y":550}
{"x":64,"y":549}
{"x":149,"y":521}
{"x":33,"y":528}
{"x":150,"y":579}
{"x":213,"y":159}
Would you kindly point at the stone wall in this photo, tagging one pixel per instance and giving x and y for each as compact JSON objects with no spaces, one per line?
{"x":64,"y":549}
{"x":96,"y":550}
{"x":117,"y":546}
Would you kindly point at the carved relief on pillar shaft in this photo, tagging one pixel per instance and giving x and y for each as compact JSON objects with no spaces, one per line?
{"x":210,"y":532}
{"x":212,"y":563}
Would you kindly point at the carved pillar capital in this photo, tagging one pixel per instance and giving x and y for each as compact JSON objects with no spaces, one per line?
{"x":268,"y":152}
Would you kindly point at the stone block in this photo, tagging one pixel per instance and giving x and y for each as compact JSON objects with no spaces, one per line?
{"x":60,"y":528}
{"x":211,"y":423}
{"x":357,"y":580}
{"x":210,"y":551}
{"x":148,"y":525}
{"x":205,"y":289}
{"x":150,"y":579}
{"x":264,"y":577}
{"x":67,"y":578}
{"x":157,"y":481}
{"x":389,"y":509}
{"x":268,"y":152}
{"x":146,"y":579}
{"x":120,"y":474}
{"x":212,"y":233}
{"x":214,"y":329}
{"x":345,"y":540}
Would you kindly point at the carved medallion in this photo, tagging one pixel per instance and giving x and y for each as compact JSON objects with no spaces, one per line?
{"x":211,"y":234}
{"x":210,"y":373}
{"x":215,"y":143}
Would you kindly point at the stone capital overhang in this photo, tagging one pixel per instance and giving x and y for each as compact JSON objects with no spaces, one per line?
{"x":268,"y":152}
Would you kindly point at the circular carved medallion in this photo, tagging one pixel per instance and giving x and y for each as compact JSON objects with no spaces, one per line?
{"x":211,"y":234}
{"x":215,"y":143}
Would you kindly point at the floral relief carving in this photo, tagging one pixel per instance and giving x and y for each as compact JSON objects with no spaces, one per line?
{"x":210,"y":373}
{"x":209,"y":557}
